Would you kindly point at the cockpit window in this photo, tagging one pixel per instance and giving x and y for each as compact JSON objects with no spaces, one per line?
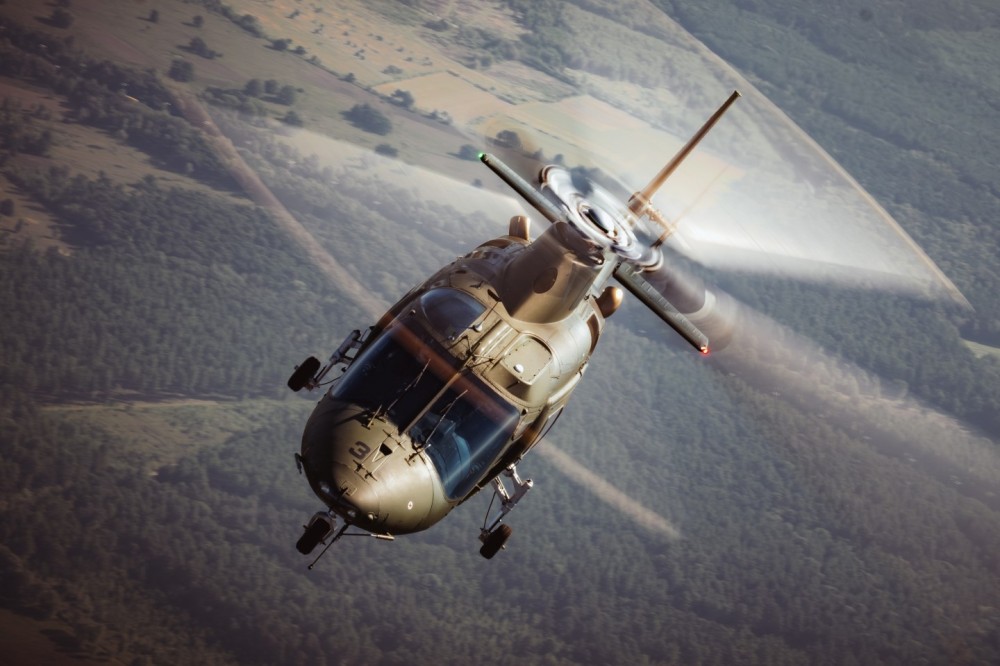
{"x":463,"y":432}
{"x":398,"y":375}
{"x":449,"y":312}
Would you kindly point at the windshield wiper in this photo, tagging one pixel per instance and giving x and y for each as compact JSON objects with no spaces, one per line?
{"x":441,"y":418}
{"x":409,"y":387}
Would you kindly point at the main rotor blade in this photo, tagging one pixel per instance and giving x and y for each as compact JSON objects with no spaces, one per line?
{"x":639,"y":203}
{"x":706,"y":317}
{"x":653,"y":298}
{"x":527,"y":191}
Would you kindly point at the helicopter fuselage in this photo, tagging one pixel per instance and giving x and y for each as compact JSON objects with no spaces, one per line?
{"x":462,"y":376}
{"x":457,"y":381}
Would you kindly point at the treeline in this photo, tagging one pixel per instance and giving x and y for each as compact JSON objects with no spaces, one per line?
{"x":247,"y":22}
{"x":595,"y":37}
{"x":132,"y":105}
{"x":559,"y":37}
{"x":250,"y":99}
{"x":222,"y":322}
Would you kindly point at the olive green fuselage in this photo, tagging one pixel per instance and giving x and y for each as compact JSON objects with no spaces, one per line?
{"x":457,"y":381}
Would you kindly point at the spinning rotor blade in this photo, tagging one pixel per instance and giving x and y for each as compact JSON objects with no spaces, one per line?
{"x":705,"y":317}
{"x":757,"y":195}
{"x":701,"y":316}
{"x":517,"y":146}
{"x":640,"y":202}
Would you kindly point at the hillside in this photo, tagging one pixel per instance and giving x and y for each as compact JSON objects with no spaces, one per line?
{"x":179,"y":237}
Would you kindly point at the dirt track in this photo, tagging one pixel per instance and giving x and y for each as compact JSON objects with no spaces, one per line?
{"x":261,"y":195}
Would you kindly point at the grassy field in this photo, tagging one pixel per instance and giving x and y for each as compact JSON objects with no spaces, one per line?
{"x":152,"y":435}
{"x":39,"y":642}
{"x":385,"y":48}
{"x":981,"y":350}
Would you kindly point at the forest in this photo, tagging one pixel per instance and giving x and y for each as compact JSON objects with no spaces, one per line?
{"x":807,"y":525}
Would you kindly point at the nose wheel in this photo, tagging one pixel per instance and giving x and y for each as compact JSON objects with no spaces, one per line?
{"x":496,"y":535}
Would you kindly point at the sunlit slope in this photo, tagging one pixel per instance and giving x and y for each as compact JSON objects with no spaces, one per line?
{"x":761,"y":195}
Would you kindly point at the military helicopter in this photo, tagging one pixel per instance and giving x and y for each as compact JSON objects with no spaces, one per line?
{"x":459,"y":379}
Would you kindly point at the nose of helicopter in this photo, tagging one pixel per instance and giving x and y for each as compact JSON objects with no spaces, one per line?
{"x":365,"y":471}
{"x":357,"y":498}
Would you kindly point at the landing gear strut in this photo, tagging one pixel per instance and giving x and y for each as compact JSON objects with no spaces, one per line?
{"x":310,"y":374}
{"x":321,"y":530}
{"x":495,"y":536}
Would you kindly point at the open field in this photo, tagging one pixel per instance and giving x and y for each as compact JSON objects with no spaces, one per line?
{"x":357,"y":39}
{"x":151,"y":435}
{"x":89,"y":151}
{"x":83,"y":150}
{"x":981,"y":350}
{"x":39,"y":642}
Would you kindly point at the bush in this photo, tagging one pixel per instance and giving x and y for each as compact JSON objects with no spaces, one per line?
{"x":181,"y":70}
{"x":286,"y":95}
{"x":403,"y":98}
{"x":369,"y":119}
{"x":293,"y":119}
{"x":60,"y":18}
{"x":468,"y":152}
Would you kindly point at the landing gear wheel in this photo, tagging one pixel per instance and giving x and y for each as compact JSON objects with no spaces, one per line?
{"x":315,"y":533}
{"x":495,"y":541}
{"x":303,"y":373}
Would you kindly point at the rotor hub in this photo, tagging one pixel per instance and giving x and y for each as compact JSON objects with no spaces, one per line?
{"x":598,"y":216}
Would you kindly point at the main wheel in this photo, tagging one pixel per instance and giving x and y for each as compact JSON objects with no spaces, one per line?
{"x":495,"y":541}
{"x":303,"y":373}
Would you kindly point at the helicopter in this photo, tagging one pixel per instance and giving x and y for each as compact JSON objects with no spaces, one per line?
{"x":446,"y":393}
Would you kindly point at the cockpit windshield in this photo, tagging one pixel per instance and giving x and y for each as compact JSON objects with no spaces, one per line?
{"x":463,"y":432}
{"x":406,"y":369}
{"x":398,"y":375}
{"x":402,"y":370}
{"x":449,"y":312}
